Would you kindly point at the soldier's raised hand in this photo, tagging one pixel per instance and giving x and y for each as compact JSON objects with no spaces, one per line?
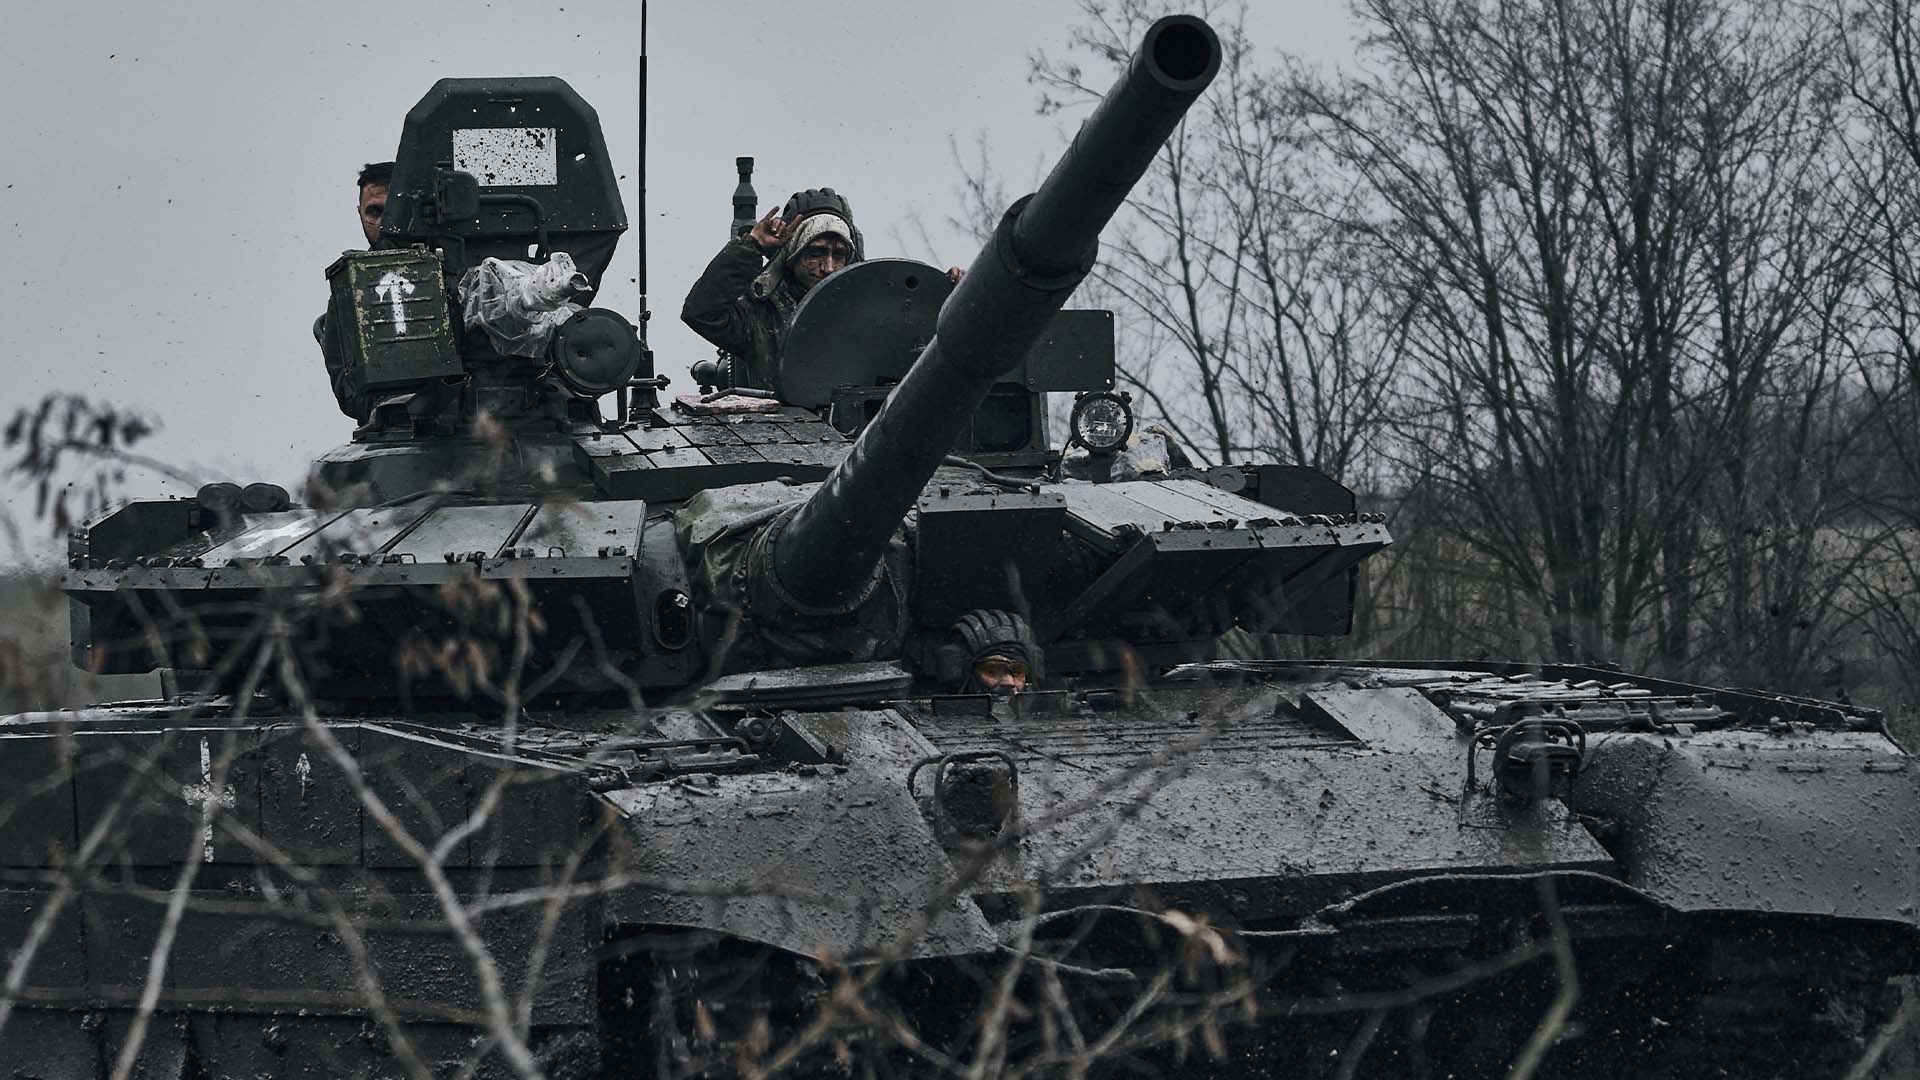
{"x":769,"y":232}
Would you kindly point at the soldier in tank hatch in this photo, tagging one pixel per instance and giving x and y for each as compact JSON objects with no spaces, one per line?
{"x":744,"y":299}
{"x":1000,"y":650}
{"x":376,"y":178}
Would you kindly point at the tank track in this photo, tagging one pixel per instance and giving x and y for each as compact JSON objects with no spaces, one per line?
{"x":1749,"y":1006}
{"x":1757,"y":1004}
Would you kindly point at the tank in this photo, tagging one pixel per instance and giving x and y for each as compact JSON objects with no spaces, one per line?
{"x":537,"y":741}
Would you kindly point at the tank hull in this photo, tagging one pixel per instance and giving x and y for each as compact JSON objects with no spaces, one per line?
{"x":1276,"y":869}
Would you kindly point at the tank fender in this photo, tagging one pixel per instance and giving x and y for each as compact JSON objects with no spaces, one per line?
{"x":1826,"y":824}
{"x":841,"y":861}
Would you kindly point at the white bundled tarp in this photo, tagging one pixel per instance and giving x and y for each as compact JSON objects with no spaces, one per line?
{"x":519,"y":304}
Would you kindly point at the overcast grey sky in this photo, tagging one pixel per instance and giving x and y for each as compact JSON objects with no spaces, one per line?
{"x":176,"y":177}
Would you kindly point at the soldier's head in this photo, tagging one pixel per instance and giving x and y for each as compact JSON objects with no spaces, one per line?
{"x":820,"y":245}
{"x":820,"y":238}
{"x":375,"y":178}
{"x":1002,"y":657}
{"x":823,"y":237}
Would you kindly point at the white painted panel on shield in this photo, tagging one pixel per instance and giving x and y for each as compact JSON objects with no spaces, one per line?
{"x":507,"y":157}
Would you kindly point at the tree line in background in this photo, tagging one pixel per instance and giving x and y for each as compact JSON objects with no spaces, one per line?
{"x":1614,"y":303}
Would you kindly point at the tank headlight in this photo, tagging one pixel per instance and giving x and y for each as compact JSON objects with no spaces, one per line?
{"x":1102,"y":422}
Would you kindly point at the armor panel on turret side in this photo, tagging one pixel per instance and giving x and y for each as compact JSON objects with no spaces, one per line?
{"x":1195,"y":552}
{"x":984,"y":551}
{"x":685,"y":455}
{"x":582,"y":529}
{"x":369,"y":530}
{"x":268,"y":535}
{"x":394,"y":560}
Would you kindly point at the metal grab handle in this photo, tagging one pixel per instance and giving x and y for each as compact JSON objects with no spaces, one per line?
{"x":943,"y":824}
{"x":1552,"y":731}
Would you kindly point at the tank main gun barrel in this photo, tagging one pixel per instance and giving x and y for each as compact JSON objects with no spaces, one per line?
{"x":824,"y":555}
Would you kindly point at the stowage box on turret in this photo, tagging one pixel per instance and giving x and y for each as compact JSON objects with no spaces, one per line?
{"x":860,"y":728}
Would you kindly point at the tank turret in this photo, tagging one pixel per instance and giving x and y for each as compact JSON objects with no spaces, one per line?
{"x":486,"y":460}
{"x":475,"y":306}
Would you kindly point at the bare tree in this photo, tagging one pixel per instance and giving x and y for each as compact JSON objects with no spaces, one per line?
{"x":1598,"y":219}
{"x":1750,"y":585}
{"x":1252,"y":325}
{"x":1881,"y":183}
